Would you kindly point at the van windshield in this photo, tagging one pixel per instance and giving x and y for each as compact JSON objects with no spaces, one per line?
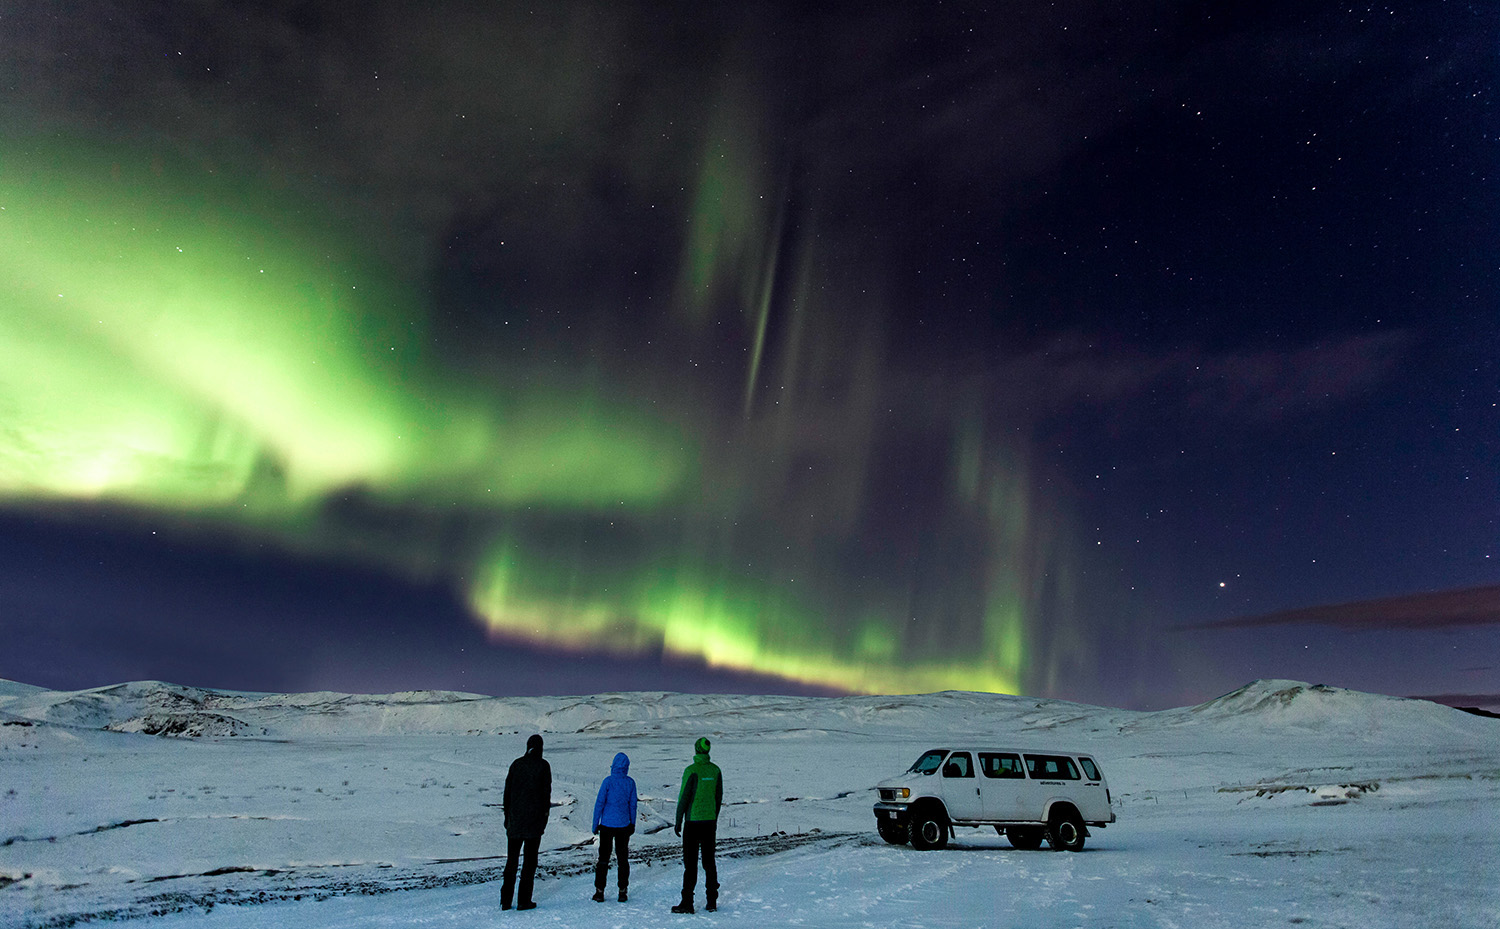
{"x":929,"y":762}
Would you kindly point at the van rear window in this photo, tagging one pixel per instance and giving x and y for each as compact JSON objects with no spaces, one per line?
{"x":1051,"y":767}
{"x":1090,"y":770}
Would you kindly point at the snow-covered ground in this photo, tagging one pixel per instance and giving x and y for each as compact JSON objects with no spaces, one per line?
{"x":1277,"y":805}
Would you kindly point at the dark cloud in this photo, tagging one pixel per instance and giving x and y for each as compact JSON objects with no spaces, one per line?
{"x":1460,"y":699}
{"x":1464,"y":701}
{"x":1472,"y":606}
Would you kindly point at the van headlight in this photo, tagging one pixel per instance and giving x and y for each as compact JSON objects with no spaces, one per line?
{"x":902,"y":793}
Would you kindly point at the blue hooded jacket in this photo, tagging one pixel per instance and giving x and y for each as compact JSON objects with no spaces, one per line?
{"x":615,"y":807}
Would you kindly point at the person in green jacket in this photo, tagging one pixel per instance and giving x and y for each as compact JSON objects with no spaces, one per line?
{"x":698,"y":803}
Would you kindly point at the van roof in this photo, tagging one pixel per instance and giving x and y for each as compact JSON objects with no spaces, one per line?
{"x":1023,"y":750}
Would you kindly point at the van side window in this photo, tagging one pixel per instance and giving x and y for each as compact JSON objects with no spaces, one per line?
{"x":959,"y":764}
{"x":1052,"y":767}
{"x":1000,"y":765}
{"x":1090,"y":770}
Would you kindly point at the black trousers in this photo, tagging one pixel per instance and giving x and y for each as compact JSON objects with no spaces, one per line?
{"x":518,"y":847}
{"x":698,"y":840}
{"x":619,"y":840}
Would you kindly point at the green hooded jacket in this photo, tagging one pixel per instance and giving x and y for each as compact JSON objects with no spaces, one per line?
{"x":702,"y":792}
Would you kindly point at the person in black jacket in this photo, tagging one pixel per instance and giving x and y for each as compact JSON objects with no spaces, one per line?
{"x":528,"y":800}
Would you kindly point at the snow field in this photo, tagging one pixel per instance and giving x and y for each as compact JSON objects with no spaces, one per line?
{"x":1281,"y":805}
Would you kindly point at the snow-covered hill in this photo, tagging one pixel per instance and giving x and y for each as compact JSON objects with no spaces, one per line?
{"x":1283,"y":707}
{"x":1280,"y":803}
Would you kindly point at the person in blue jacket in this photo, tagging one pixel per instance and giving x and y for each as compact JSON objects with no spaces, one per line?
{"x":614,"y":823}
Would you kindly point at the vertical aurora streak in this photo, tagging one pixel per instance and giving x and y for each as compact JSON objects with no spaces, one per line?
{"x":762,"y":316}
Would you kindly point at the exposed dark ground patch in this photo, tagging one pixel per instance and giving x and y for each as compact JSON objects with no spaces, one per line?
{"x":94,"y":831}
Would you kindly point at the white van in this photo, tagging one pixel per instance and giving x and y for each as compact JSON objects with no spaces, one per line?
{"x":1025,"y":795}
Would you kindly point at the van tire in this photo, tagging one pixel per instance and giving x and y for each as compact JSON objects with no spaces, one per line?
{"x":894,"y":833}
{"x":1065,"y":831}
{"x":929,"y":828}
{"x":1026,"y":838}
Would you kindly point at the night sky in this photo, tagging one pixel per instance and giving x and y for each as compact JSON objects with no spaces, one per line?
{"x":1121,"y":352}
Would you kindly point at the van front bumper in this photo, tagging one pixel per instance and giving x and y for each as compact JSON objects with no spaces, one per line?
{"x":894,"y":813}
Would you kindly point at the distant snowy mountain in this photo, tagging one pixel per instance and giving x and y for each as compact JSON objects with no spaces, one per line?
{"x":1297,"y":708}
{"x":158,"y":708}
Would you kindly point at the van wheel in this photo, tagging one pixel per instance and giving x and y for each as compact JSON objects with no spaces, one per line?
{"x":1026,"y":838}
{"x":929,"y":829}
{"x":1065,"y":831}
{"x":894,"y":833}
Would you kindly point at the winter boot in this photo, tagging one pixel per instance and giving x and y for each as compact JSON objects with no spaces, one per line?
{"x":623,"y":896}
{"x":713,"y":898}
{"x":598,"y":896}
{"x":686,"y":906}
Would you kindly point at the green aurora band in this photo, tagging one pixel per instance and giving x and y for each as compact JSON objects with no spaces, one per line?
{"x":195,"y":351}
{"x":161,"y":349}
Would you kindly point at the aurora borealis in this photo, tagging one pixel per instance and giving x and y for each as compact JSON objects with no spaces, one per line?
{"x":165,"y":351}
{"x":174,"y":352}
{"x":865,"y":352}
